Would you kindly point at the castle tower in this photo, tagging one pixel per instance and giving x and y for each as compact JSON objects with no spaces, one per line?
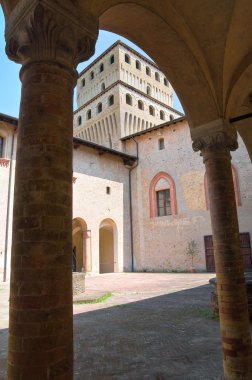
{"x":120,"y":93}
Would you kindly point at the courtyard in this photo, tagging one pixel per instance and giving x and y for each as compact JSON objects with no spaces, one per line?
{"x":155,"y":326}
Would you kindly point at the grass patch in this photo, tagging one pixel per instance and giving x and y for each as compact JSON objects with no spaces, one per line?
{"x":208,"y":314}
{"x":97,"y":300}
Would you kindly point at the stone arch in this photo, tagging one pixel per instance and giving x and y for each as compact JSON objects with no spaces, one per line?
{"x":108,"y":246}
{"x":80,"y":246}
{"x":193,"y":68}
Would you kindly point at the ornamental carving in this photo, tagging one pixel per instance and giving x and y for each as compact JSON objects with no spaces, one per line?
{"x":47,"y":32}
{"x":216,"y":141}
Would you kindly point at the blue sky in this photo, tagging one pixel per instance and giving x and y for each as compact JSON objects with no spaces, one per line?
{"x":9,"y":71}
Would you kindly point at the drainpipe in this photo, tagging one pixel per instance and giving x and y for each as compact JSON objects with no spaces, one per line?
{"x":131,"y":210}
{"x":8,"y":211}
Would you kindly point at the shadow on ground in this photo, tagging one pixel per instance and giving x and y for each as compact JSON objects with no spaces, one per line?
{"x":167,"y":337}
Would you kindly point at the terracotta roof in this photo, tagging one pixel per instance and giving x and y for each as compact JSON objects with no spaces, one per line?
{"x":8,"y":119}
{"x":159,"y":126}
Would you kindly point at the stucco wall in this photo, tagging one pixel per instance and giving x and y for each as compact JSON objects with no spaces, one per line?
{"x":91,"y":203}
{"x":160,"y":243}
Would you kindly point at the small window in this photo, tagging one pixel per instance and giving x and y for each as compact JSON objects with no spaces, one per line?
{"x":89,"y":114}
{"x":1,"y":146}
{"x":148,"y":72}
{"x":164,"y":203}
{"x":112,"y":59}
{"x":138,"y":65}
{"x":79,"y":120}
{"x":161,"y":144}
{"x":157,"y":76}
{"x":165,"y":82}
{"x":151,"y":111}
{"x":111,"y":100}
{"x":148,"y":90}
{"x":108,"y":190}
{"x":162,"y":115}
{"x":129,"y":99}
{"x":101,"y":67}
{"x":171,"y":117}
{"x":140,"y":105}
{"x":102,"y":86}
{"x":99,"y":108}
{"x":91,"y":75}
{"x":83,"y":82}
{"x":127,"y":58}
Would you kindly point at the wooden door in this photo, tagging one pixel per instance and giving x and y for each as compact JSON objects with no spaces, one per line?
{"x":245,"y":248}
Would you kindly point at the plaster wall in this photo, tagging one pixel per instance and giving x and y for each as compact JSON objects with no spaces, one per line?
{"x":94,"y":174}
{"x":108,"y":76}
{"x":103,"y":128}
{"x":160,"y":243}
{"x":6,"y":170}
{"x":160,"y":89}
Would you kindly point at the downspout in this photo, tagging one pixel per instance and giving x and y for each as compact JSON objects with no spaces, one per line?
{"x":8,"y":211}
{"x":131,"y":209}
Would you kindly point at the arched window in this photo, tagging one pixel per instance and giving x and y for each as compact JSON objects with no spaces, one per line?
{"x":148,"y":71}
{"x":112,"y":59}
{"x":129,"y":99}
{"x":91,"y":75}
{"x":162,"y":195}
{"x":148,"y":90}
{"x":127,"y":58}
{"x":151,"y":111}
{"x":99,"y":108}
{"x":138,"y":65}
{"x":83,"y":82}
{"x":157,"y":76}
{"x":162,"y":115}
{"x":140,"y":105}
{"x":165,"y":82}
{"x":236,"y":188}
{"x":111,"y":100}
{"x":171,"y":117}
{"x":79,"y":120}
{"x":89,"y":114}
{"x":101,"y":67}
{"x":102,"y":86}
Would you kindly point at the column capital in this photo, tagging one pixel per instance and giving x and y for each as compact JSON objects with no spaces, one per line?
{"x":50,"y":31}
{"x":216,"y":135}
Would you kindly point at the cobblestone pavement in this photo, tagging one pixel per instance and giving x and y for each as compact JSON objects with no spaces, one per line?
{"x":153,"y":327}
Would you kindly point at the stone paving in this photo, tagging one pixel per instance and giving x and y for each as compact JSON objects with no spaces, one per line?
{"x":153,"y":327}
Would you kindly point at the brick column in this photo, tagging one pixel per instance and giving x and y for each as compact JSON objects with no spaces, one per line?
{"x":49,"y":41}
{"x":215,"y":148}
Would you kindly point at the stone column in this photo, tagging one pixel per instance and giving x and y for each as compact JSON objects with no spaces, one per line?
{"x":48,"y":40}
{"x":215,"y":145}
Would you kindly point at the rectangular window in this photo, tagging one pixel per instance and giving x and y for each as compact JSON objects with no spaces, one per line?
{"x":1,"y":146}
{"x":164,"y":202}
{"x":108,"y":190}
{"x":161,"y":144}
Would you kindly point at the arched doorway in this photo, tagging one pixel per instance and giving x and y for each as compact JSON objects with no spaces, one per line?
{"x":107,"y":246}
{"x":79,"y":245}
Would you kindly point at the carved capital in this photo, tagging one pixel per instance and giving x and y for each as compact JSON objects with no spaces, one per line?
{"x":45,"y":30}
{"x":217,"y":141}
{"x":214,"y":136}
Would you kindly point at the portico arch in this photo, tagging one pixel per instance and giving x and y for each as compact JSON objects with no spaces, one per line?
{"x":79,"y":245}
{"x":108,"y":249}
